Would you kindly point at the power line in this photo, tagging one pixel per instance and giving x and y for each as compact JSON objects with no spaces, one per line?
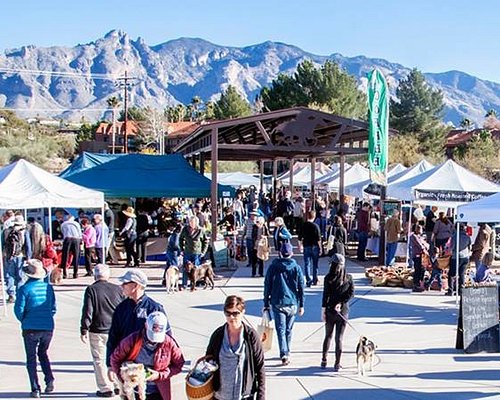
{"x":54,"y":109}
{"x":38,"y":72}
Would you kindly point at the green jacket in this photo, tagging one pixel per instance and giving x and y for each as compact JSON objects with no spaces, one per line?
{"x":193,"y":242}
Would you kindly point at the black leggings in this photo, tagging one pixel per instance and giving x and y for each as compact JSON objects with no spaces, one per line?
{"x":333,"y":320}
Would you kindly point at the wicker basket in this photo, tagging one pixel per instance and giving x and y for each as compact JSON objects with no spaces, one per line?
{"x":394,"y":282}
{"x":379,"y":281}
{"x":408,"y":282}
{"x":201,"y":392}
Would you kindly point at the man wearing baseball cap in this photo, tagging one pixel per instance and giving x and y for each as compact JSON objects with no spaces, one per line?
{"x":131,"y":313}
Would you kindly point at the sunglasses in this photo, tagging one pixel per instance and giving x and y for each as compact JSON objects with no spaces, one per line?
{"x":232,"y":313}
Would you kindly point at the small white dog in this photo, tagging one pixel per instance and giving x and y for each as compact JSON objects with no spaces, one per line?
{"x":365,"y":353}
{"x":133,"y":375}
{"x":172,"y":279}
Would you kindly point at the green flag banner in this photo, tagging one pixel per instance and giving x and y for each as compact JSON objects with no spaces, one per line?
{"x":378,"y":133}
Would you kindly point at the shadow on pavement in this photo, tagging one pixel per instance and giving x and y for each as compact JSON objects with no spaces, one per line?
{"x":374,"y":393}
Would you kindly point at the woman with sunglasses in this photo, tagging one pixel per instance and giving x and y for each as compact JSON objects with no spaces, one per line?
{"x":237,"y":350}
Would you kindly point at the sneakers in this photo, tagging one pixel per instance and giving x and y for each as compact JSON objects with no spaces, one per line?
{"x":337,"y":367}
{"x":285,"y":360}
{"x":35,"y":394}
{"x":323,"y":364}
{"x":49,"y":388}
{"x":105,"y":394}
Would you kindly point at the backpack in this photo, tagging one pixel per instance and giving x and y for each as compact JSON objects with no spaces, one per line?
{"x":14,"y":243}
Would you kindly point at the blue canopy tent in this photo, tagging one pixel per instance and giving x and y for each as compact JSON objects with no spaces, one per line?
{"x":86,"y":161}
{"x":142,"y":175}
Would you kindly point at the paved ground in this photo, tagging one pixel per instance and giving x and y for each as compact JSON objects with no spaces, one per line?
{"x":415,"y":334}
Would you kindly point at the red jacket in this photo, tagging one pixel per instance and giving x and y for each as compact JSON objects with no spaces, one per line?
{"x":168,"y":359}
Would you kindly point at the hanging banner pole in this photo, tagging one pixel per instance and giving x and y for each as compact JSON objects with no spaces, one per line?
{"x":378,"y":133}
{"x":378,"y":143}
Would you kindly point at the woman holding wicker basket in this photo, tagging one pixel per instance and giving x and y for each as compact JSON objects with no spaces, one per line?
{"x":237,"y":350}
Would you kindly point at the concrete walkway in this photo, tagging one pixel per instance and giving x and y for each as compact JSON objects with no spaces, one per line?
{"x":414,"y":332}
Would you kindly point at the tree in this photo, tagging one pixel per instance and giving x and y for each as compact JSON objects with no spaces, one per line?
{"x":466,"y":123}
{"x":134,"y":114}
{"x":418,"y":106}
{"x":417,"y":112}
{"x":481,"y":154}
{"x":232,"y":105}
{"x":327,"y":88}
{"x":153,"y":131}
{"x":113,"y":102}
{"x":491,"y":113}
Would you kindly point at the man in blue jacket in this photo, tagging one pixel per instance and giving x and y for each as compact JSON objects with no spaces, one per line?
{"x":35,"y":307}
{"x":131,"y":314}
{"x":284,"y":291}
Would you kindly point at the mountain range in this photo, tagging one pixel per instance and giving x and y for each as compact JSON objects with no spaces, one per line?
{"x":59,"y":81}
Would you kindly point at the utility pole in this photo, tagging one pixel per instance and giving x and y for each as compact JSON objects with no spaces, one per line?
{"x":124,"y":82}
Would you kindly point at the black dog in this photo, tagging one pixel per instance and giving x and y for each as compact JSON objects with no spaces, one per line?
{"x":204,"y":272}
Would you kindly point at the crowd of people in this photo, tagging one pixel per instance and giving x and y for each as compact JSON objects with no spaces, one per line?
{"x":123,"y":324}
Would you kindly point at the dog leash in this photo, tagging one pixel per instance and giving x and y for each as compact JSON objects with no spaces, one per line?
{"x":348,"y":323}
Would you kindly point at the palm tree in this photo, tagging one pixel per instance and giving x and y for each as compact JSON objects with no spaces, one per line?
{"x":491,"y":113}
{"x":466,"y":123}
{"x":113,"y":102}
{"x":196,"y":102}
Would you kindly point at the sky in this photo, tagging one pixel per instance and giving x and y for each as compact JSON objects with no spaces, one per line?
{"x":431,"y":35}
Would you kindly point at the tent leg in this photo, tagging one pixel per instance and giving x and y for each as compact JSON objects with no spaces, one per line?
{"x":2,"y":277}
{"x":456,"y":261}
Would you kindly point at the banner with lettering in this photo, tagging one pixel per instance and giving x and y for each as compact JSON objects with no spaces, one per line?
{"x":378,"y":133}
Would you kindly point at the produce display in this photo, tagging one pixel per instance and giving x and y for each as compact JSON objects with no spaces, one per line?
{"x":398,"y":277}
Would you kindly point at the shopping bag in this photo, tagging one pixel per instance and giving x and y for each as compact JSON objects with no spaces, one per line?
{"x":265,"y":331}
{"x":263,"y":249}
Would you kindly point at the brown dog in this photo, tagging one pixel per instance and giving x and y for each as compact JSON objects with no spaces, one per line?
{"x":56,"y":276}
{"x":203,"y":272}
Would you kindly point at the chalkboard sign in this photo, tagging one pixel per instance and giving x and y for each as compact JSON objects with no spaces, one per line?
{"x":479,"y":317}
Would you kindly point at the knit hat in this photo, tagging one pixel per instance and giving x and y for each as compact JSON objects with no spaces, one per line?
{"x":156,"y":327}
{"x":286,"y":250}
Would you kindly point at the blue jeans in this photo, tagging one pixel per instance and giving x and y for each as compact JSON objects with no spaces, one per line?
{"x":13,"y":270}
{"x":435,"y":274}
{"x":284,"y":317}
{"x":362,"y":241}
{"x":195,"y":259}
{"x":452,"y":273}
{"x":249,"y":244}
{"x":311,"y":254}
{"x":37,"y":342}
{"x":391,"y":253}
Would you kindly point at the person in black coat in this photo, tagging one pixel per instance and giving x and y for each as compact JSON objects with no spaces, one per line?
{"x":338,"y":289}
{"x":99,"y":303}
{"x":233,"y":343}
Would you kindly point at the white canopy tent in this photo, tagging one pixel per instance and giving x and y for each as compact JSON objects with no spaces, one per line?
{"x":448,"y":184}
{"x":302,"y":173}
{"x":486,"y":209}
{"x":357,"y":189}
{"x":235,"y":179}
{"x":396,"y":169}
{"x":354,"y":174}
{"x":24,"y":186}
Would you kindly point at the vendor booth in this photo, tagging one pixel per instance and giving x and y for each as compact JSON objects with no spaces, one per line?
{"x":25,"y":186}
